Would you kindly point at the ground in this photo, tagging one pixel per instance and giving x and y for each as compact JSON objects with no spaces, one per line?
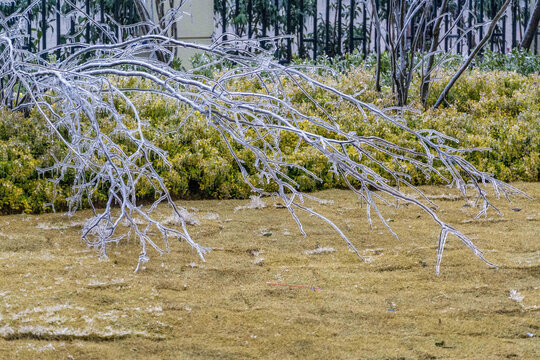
{"x":59,"y":299}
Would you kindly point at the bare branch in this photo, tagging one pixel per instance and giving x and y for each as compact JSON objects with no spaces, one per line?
{"x":79,"y":98}
{"x":475,"y":51}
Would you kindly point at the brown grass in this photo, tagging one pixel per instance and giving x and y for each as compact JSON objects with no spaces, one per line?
{"x":59,"y":300}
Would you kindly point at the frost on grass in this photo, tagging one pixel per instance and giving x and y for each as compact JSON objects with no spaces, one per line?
{"x":46,"y":310}
{"x":185,"y":216}
{"x":516,"y":296}
{"x":85,"y":98}
{"x":255,"y":203}
{"x":9,"y":237}
{"x":210,"y":216}
{"x":48,"y":347}
{"x":45,"y":226}
{"x":320,"y":250}
{"x":259,"y":260}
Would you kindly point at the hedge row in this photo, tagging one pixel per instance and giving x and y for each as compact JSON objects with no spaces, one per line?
{"x":499,"y":110}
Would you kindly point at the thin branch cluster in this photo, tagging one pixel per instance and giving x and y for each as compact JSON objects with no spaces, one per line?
{"x":79,"y":95}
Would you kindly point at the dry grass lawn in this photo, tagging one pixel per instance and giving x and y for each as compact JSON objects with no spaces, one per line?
{"x":58,"y":299}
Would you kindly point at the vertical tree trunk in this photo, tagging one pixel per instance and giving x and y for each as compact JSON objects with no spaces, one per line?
{"x":378,"y":29}
{"x":532,"y":27}
{"x":174,"y":28}
{"x":476,"y":50}
{"x":145,"y":16}
{"x":426,"y":76}
{"x":401,"y":21}
{"x":402,"y":90}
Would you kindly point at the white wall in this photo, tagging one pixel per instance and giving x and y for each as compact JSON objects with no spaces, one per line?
{"x":196,"y":25}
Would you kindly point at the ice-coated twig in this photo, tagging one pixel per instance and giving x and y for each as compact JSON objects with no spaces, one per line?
{"x":78,"y":97}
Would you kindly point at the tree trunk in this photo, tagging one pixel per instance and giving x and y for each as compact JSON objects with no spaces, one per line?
{"x":145,"y":16}
{"x":426,"y":77}
{"x":476,"y":50}
{"x":402,"y":58}
{"x":378,"y":29}
{"x":532,"y":27}
{"x":400,"y":23}
{"x":174,"y":30}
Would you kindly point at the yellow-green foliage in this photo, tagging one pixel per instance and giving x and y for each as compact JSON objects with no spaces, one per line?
{"x":499,"y":110}
{"x":24,"y":145}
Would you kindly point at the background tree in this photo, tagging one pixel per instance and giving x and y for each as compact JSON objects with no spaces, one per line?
{"x":532,"y":27}
{"x":435,"y":42}
{"x":474,"y":52}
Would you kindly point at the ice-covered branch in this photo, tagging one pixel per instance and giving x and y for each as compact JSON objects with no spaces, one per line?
{"x":79,"y":97}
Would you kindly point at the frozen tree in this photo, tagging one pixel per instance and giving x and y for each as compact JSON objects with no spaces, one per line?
{"x":78,"y":96}
{"x":414,"y":37}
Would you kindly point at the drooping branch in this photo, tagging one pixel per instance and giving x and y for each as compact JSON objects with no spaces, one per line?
{"x":79,"y":98}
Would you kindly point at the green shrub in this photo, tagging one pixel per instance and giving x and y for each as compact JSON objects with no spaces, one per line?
{"x":499,"y":110}
{"x":518,"y":60}
{"x":24,"y":146}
